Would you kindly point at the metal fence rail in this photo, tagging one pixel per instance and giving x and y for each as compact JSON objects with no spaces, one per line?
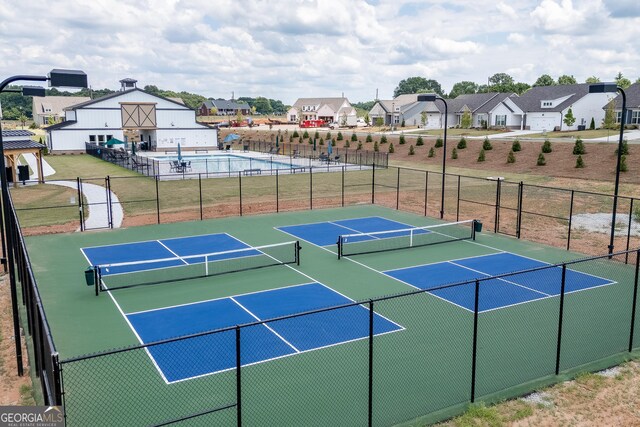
{"x":489,"y":354}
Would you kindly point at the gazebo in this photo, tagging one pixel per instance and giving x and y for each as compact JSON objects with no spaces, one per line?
{"x":17,"y":143}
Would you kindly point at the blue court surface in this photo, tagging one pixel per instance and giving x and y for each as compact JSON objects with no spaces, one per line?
{"x":169,"y":252}
{"x":185,"y":359}
{"x":494,"y":293}
{"x":327,"y":233}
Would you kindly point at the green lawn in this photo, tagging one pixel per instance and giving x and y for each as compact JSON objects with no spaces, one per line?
{"x":457,"y":132}
{"x":584,"y":134}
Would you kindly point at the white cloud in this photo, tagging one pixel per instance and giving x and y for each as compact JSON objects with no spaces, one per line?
{"x":507,"y":10}
{"x":563,"y":17}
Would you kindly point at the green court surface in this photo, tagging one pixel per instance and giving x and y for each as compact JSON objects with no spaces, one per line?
{"x":423,"y":371}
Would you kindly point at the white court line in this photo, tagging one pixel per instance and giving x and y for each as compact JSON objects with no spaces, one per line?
{"x":175,"y":254}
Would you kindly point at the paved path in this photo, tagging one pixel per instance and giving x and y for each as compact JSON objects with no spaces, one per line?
{"x":47,"y":170}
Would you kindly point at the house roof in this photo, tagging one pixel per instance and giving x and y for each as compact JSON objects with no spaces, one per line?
{"x":476,"y":102}
{"x":14,"y":133}
{"x":222,"y":104}
{"x":60,"y":125}
{"x":115,"y":95}
{"x":418,"y":107}
{"x":633,"y":97}
{"x":333,"y":103}
{"x":22,"y":144}
{"x":57,"y":104}
{"x":531,"y":100}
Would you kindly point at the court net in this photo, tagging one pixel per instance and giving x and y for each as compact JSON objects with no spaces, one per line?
{"x":380,"y":241}
{"x":148,"y":272}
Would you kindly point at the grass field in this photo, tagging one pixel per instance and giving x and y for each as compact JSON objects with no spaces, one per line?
{"x":423,"y":370}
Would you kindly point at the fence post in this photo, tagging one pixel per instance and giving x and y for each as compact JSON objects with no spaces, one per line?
{"x":343,"y":167}
{"x":80,"y":207}
{"x":57,"y":379}
{"x":458,"y":201}
{"x":240,"y":190}
{"x":277,"y":191}
{"x":370,"y":363}
{"x":626,"y":255}
{"x":519,"y":212}
{"x":570,"y":217}
{"x":311,"y":188}
{"x":474,"y":354}
{"x":496,"y":221}
{"x":373,"y":184}
{"x":426,"y":190}
{"x":238,"y":378}
{"x":109,"y":202}
{"x":158,"y":197}
{"x":398,"y":191}
{"x":558,"y":349}
{"x":635,"y":298}
{"x":200,"y":194}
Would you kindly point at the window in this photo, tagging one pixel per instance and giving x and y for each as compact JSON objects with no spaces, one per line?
{"x":501,"y":120}
{"x":635,"y":117}
{"x":92,"y":138}
{"x":109,"y":137}
{"x":618,"y":116}
{"x":100,"y":138}
{"x":547,"y":104}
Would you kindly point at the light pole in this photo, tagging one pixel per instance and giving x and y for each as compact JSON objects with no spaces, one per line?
{"x":612,"y":88}
{"x":431,"y":97}
{"x":67,"y":78}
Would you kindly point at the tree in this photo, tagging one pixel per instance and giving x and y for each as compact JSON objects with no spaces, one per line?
{"x":369,"y":138}
{"x":462,"y":144}
{"x":609,"y":121}
{"x":417,"y":85}
{"x":213,"y":111}
{"x":501,"y":82}
{"x":465,"y":120}
{"x":432,"y":152}
{"x":454,"y":153}
{"x":419,"y":141}
{"x":516,"y":145}
{"x":567,"y":80}
{"x":546,"y":147}
{"x":579,"y":162}
{"x":402,"y":140}
{"x":376,"y":148}
{"x":439,"y":142}
{"x":383,"y":139}
{"x":623,"y":164}
{"x":23,"y":119}
{"x":578,"y":147}
{"x":463,"y":87}
{"x":486,"y":144}
{"x":354,"y":137}
{"x":424,"y":119}
{"x":545,"y":80}
{"x":521,"y":88}
{"x":592,"y":79}
{"x":541,"y":160}
{"x":412,"y":151}
{"x":262,"y":105}
{"x":569,"y":118}
{"x":592,"y":125}
{"x":340,"y":137}
{"x":391,"y":149}
{"x":511,"y":157}
{"x":622,"y":81}
{"x":367,"y":120}
{"x":379,"y":121}
{"x":481,"y":156}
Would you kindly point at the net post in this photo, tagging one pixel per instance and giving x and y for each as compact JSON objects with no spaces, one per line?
{"x":97,"y":277}
{"x":426,"y":191}
{"x":339,"y":242}
{"x":373,"y":184}
{"x":343,"y":167}
{"x":519,"y":210}
{"x":570,"y":217}
{"x":277,"y":192}
{"x":626,"y":256}
{"x":240,"y":190}
{"x":310,"y":187}
{"x":297,"y":252}
{"x":200,"y":194}
{"x":496,"y":221}
{"x":238,"y":379}
{"x":158,"y":197}
{"x":458,"y":201}
{"x":559,"y":345}
{"x":475,"y":341}
{"x":410,"y":238}
{"x":370,"y":409}
{"x":398,"y":190}
{"x":473,"y":229}
{"x":206,"y":265}
{"x":635,"y":299}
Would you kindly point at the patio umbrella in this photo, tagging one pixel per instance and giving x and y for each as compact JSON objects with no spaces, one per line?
{"x":330,"y":147}
{"x":231,"y":137}
{"x":179,"y":153}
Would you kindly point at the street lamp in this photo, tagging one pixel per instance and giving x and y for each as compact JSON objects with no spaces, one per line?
{"x":612,"y":88}
{"x":431,"y":97}
{"x":67,"y":78}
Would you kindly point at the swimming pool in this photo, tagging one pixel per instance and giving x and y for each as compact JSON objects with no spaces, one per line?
{"x":228,"y":164}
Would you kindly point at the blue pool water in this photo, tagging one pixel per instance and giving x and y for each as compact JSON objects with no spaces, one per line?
{"x":227,"y":163}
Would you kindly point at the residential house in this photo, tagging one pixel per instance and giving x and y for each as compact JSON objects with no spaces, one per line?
{"x":223,"y":108}
{"x":545,"y":107}
{"x":492,"y":109}
{"x":331,"y":110}
{"x":130,"y":114}
{"x":633,"y":106}
{"x":48,"y":110}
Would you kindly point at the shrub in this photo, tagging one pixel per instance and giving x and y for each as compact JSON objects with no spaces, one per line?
{"x":481,"y":156}
{"x":462,"y":144}
{"x":354,"y":137}
{"x":511,"y":157}
{"x":328,"y":137}
{"x":360,"y":146}
{"x":411,"y":150}
{"x":515,"y":147}
{"x":316,"y":135}
{"x":486,"y":144}
{"x":305,"y":135}
{"x":439,"y":143}
{"x":546,"y":147}
{"x":339,"y":137}
{"x":291,"y":138}
{"x":541,"y":160}
{"x":346,"y":144}
{"x":383,"y":139}
{"x":623,"y":164}
{"x":321,"y":141}
{"x":578,"y":147}
{"x":33,"y":125}
{"x":419,"y":141}
{"x":402,"y":124}
{"x":432,"y":152}
{"x":391,"y":150}
{"x":295,"y":134}
{"x":402,"y":141}
{"x":579,"y":162}
{"x":333,"y":143}
{"x":592,"y":126}
{"x":454,"y":153}
{"x":375,"y":146}
{"x":625,"y":147}
{"x":369,"y":138}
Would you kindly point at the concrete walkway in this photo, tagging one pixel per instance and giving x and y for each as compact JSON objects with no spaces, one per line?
{"x":47,"y":170}
{"x":96,"y":197}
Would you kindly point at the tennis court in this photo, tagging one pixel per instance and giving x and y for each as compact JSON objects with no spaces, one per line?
{"x":392,"y":318}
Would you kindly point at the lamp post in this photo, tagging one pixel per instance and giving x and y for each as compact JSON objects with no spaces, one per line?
{"x":612,"y":88}
{"x":68,"y":78}
{"x":431,"y":97}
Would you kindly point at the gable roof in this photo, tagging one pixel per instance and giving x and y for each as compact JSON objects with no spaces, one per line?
{"x":223,"y":104}
{"x":60,"y":125}
{"x":531,"y":100}
{"x":476,"y":102}
{"x":17,"y":132}
{"x":116,"y":94}
{"x":22,"y":144}
{"x":633,"y":97}
{"x":333,"y":103}
{"x":57,"y":104}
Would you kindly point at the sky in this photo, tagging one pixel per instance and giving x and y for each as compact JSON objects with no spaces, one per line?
{"x":290,"y":49}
